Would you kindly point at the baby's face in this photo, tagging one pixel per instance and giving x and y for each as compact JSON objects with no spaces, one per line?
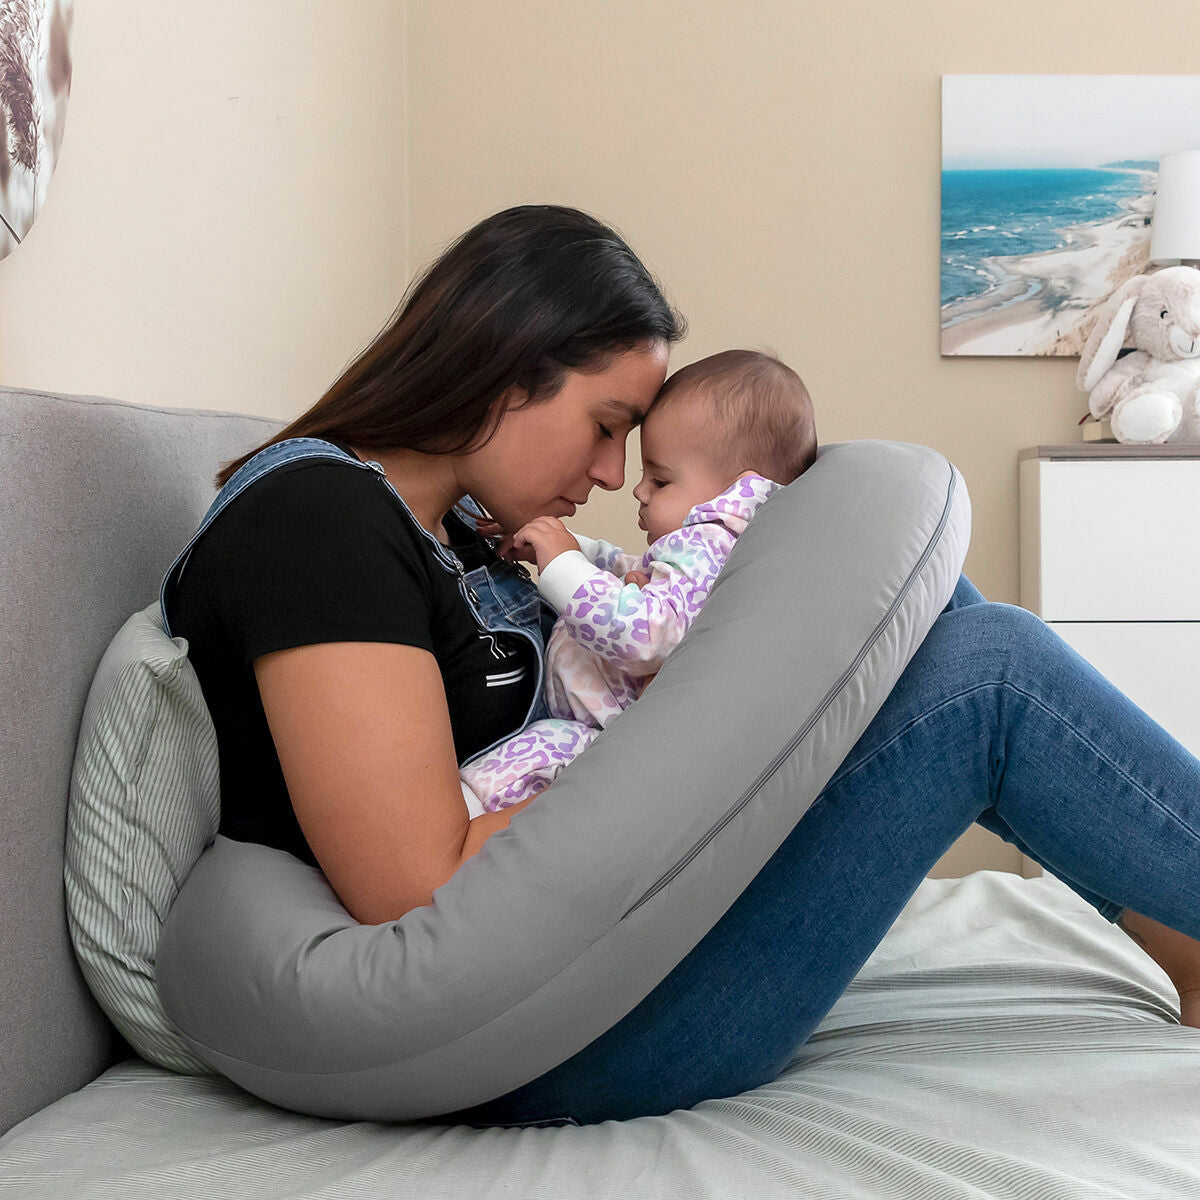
{"x":677,"y":473}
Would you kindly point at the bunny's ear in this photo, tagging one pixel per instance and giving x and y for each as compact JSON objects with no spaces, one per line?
{"x":1108,"y":334}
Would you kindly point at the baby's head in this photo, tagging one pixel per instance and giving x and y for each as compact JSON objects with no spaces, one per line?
{"x":736,"y":411}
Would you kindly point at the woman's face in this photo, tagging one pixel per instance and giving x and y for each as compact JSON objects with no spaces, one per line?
{"x":545,"y":458}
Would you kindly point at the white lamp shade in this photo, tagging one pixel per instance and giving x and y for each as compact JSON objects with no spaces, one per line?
{"x":1175,"y":229}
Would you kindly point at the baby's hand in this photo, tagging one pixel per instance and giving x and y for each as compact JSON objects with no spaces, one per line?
{"x":541,"y":540}
{"x":638,"y":577}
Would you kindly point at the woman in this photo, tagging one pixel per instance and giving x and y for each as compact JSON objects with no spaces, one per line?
{"x":357,"y":640}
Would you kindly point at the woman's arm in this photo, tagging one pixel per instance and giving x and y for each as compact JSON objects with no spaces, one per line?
{"x":363,"y":735}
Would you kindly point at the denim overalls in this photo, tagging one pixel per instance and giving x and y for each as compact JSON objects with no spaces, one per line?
{"x":500,"y":596}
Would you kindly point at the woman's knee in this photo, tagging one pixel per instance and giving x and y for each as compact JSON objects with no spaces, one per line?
{"x":986,"y":641}
{"x":994,"y":618}
{"x":1009,"y":627}
{"x":965,"y":593}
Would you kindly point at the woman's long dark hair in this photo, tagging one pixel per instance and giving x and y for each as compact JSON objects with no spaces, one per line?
{"x":516,"y":300}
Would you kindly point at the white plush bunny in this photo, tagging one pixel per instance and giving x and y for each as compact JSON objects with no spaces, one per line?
{"x":1153,"y":394}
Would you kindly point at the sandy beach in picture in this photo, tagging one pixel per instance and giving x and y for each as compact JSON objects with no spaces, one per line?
{"x":1048,"y":185}
{"x":1043,"y":303}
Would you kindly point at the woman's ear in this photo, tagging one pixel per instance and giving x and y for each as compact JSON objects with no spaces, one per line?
{"x":511,"y":399}
{"x":1108,"y":334}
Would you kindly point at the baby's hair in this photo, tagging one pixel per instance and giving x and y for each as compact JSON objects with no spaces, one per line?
{"x":761,"y":402}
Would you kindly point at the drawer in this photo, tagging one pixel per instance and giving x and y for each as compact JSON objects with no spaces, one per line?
{"x":1111,"y":540}
{"x":1156,"y":665}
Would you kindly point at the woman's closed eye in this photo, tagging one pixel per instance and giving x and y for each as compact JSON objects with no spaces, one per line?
{"x":606,"y":432}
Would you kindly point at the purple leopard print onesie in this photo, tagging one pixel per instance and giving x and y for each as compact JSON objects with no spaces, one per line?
{"x":611,"y":637}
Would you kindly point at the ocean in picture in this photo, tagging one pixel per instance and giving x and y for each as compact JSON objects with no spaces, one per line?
{"x":1027,"y":253}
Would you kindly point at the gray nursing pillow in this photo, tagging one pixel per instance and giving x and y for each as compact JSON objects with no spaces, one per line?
{"x":563,"y":922}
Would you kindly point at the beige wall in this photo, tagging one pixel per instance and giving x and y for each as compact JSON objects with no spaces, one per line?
{"x":775,"y":163}
{"x":226,"y":227}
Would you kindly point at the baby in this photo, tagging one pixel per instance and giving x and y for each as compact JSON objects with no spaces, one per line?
{"x":722,"y":435}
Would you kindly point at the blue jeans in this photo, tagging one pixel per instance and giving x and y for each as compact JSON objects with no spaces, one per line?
{"x":995,"y":720}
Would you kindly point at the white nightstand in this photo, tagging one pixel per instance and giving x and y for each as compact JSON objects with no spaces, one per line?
{"x":1110,"y":558}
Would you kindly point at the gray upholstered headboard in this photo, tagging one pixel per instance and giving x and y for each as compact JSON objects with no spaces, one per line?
{"x":96,"y":498}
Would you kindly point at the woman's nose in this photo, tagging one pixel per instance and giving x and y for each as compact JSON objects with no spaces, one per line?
{"x":608,"y":467}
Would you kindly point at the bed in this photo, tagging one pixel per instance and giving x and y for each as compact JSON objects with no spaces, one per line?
{"x":1003,"y":1040}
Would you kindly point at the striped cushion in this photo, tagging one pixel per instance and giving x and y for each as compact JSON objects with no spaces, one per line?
{"x":144,"y":802}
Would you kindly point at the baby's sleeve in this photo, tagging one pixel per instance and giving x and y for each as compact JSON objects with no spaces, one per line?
{"x":636,"y":628}
{"x":607,"y":556}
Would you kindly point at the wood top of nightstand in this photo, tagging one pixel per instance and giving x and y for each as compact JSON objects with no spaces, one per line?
{"x":1112,"y":450}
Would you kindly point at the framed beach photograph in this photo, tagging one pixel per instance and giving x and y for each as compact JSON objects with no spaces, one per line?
{"x":1047,"y":196}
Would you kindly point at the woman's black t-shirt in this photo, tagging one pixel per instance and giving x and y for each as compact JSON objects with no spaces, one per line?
{"x":321,"y":551}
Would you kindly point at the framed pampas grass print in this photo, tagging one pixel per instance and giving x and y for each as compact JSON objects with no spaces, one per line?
{"x":35,"y":84}
{"x":1048,"y":185}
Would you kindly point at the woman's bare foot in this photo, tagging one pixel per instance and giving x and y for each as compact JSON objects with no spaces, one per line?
{"x":1176,"y":953}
